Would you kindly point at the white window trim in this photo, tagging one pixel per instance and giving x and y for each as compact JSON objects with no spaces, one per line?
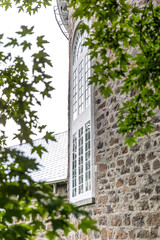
{"x":86,"y":197}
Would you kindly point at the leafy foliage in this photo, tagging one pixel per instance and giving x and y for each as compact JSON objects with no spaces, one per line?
{"x":22,"y":200}
{"x":31,"y":6}
{"x":26,"y":205}
{"x":117,"y":30}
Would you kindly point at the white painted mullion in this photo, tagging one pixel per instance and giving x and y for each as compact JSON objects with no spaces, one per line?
{"x":84,"y":167}
{"x":78,"y":62}
{"x":84,"y":86}
{"x":77,"y":164}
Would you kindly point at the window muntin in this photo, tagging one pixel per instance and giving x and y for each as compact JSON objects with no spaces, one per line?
{"x":87,"y":156}
{"x":74,"y":166}
{"x":80,"y":162}
{"x":75,"y":94}
{"x":87,"y":75}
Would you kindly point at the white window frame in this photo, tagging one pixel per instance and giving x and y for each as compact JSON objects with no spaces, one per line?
{"x":78,"y":119}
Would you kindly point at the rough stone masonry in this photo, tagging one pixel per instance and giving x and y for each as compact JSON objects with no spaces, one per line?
{"x":127,"y":181}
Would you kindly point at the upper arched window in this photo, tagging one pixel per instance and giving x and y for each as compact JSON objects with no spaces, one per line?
{"x":80,"y":75}
{"x":78,"y":46}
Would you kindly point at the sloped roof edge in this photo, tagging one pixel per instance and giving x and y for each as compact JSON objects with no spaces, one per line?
{"x":54,"y":163}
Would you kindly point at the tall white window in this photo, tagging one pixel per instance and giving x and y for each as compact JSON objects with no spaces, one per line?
{"x":81,"y":155}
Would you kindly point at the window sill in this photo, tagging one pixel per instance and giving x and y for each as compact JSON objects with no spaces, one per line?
{"x":84,"y":202}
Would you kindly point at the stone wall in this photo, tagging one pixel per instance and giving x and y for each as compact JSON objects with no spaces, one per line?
{"x":127,"y":181}
{"x":59,"y":189}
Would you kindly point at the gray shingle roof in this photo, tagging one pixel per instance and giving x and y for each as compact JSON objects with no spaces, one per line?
{"x":54,"y":162}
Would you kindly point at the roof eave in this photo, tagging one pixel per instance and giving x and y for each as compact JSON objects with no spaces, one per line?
{"x":57,"y":181}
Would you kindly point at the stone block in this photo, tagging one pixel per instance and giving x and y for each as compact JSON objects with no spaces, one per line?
{"x":151,"y":156}
{"x":155,"y":198}
{"x":98,"y":101}
{"x":132,"y":234}
{"x":154,"y":233}
{"x":141,"y":158}
{"x":102,"y":105}
{"x":102,"y":200}
{"x":113,"y":99}
{"x":138,"y":220}
{"x":119,"y":183}
{"x":127,"y":219}
{"x":144,"y":206}
{"x":98,"y":158}
{"x":147,"y":145}
{"x":144,"y":234}
{"x":129,"y":161}
{"x":135,"y":148}
{"x":102,"y":167}
{"x":104,"y":234}
{"x":114,"y":141}
{"x":101,"y":175}
{"x":137,"y":169}
{"x":96,"y":211}
{"x":114,"y":199}
{"x":153,"y":219}
{"x":100,"y":132}
{"x":109,"y":209}
{"x":132,"y":180}
{"x":146,"y":167}
{"x":158,"y":189}
{"x":120,"y":163}
{"x":101,"y":117}
{"x":124,"y":149}
{"x":156,"y":164}
{"x":110,"y":233}
{"x":116,"y":221}
{"x":155,"y":119}
{"x":100,"y":145}
{"x":99,"y":125}
{"x":115,"y":154}
{"x":136,"y":195}
{"x":121,"y":234}
{"x":103,"y":220}
{"x":117,"y":107}
{"x":125,"y":170}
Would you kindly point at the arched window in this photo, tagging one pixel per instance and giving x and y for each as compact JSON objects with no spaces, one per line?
{"x":80,"y":75}
{"x":80,"y":122}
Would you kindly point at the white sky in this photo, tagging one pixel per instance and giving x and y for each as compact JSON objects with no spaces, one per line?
{"x":53,"y":112}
